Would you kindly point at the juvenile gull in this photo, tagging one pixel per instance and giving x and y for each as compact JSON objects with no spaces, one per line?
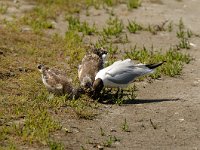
{"x":57,"y":83}
{"x":91,"y":63}
{"x":120,"y":74}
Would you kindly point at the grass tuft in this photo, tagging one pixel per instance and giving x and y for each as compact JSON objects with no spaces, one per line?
{"x":133,"y":4}
{"x":3,"y":8}
{"x":76,"y":25}
{"x":133,"y":27}
{"x":115,"y":27}
{"x":38,"y":125}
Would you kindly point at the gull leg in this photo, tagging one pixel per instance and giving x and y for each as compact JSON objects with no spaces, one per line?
{"x":121,"y":93}
{"x":116,"y":95}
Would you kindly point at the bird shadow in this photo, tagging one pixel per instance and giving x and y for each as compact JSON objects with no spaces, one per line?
{"x":135,"y":101}
{"x":128,"y":98}
{"x":146,"y":101}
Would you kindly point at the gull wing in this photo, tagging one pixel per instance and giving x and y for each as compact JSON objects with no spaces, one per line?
{"x":126,"y":72}
{"x":102,"y":72}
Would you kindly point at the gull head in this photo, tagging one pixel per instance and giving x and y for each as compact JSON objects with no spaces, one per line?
{"x":76,"y":92}
{"x":97,"y":86}
{"x":87,"y":82}
{"x":101,"y":52}
{"x":41,"y":67}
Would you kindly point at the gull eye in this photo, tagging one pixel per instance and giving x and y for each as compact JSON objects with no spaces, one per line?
{"x":40,"y":66}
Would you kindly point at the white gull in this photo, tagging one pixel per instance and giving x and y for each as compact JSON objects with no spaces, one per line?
{"x":121,"y":73}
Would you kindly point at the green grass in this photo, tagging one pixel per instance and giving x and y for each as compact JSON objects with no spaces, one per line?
{"x":38,"y":125}
{"x":183,"y":35}
{"x":111,"y":139}
{"x":133,"y":27}
{"x":55,"y":145}
{"x":125,"y":126}
{"x":102,"y":132}
{"x":39,"y":19}
{"x":133,"y":4}
{"x":24,"y":98}
{"x":3,"y":8}
{"x":75,"y":24}
{"x":114,"y":28}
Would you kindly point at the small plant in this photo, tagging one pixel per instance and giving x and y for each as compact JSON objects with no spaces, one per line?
{"x":183,"y":36}
{"x":184,"y":43}
{"x":84,"y":27}
{"x":181,"y":25}
{"x":75,"y":24}
{"x":38,"y":19}
{"x":151,"y":29}
{"x":55,"y":146}
{"x":38,"y":126}
{"x":170,"y":27}
{"x":112,"y":50}
{"x":133,"y":27}
{"x":115,"y":27}
{"x":189,"y":33}
{"x":102,"y":131}
{"x":125,"y":126}
{"x":3,"y":8}
{"x":110,"y":141}
{"x":82,"y":109}
{"x":133,"y":4}
{"x":109,"y":2}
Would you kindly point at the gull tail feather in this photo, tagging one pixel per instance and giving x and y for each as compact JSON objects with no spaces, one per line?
{"x":153,"y":66}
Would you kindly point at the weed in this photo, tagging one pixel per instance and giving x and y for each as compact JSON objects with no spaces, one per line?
{"x":55,"y":146}
{"x":82,"y":109}
{"x":115,"y":27}
{"x":75,"y":24}
{"x":133,"y":4}
{"x":151,"y":29}
{"x":86,"y":29}
{"x":110,"y":141}
{"x":125,"y":126}
{"x":184,"y":43}
{"x":3,"y":8}
{"x":38,"y":126}
{"x":133,"y":27}
{"x":38,"y":19}
{"x":183,"y":36}
{"x":102,"y":131}
{"x":109,"y":2}
{"x":170,"y":27}
{"x":189,"y":33}
{"x":181,"y":25}
{"x":112,"y":50}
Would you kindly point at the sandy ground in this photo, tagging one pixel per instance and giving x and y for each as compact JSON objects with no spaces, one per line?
{"x":166,"y":113}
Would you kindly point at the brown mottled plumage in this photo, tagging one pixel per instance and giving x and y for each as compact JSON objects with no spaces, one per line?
{"x":57,"y":83}
{"x":90,"y":66}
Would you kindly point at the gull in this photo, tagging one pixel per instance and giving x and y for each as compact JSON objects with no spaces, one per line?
{"x":120,"y":74}
{"x":57,"y":83}
{"x":91,"y":63}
